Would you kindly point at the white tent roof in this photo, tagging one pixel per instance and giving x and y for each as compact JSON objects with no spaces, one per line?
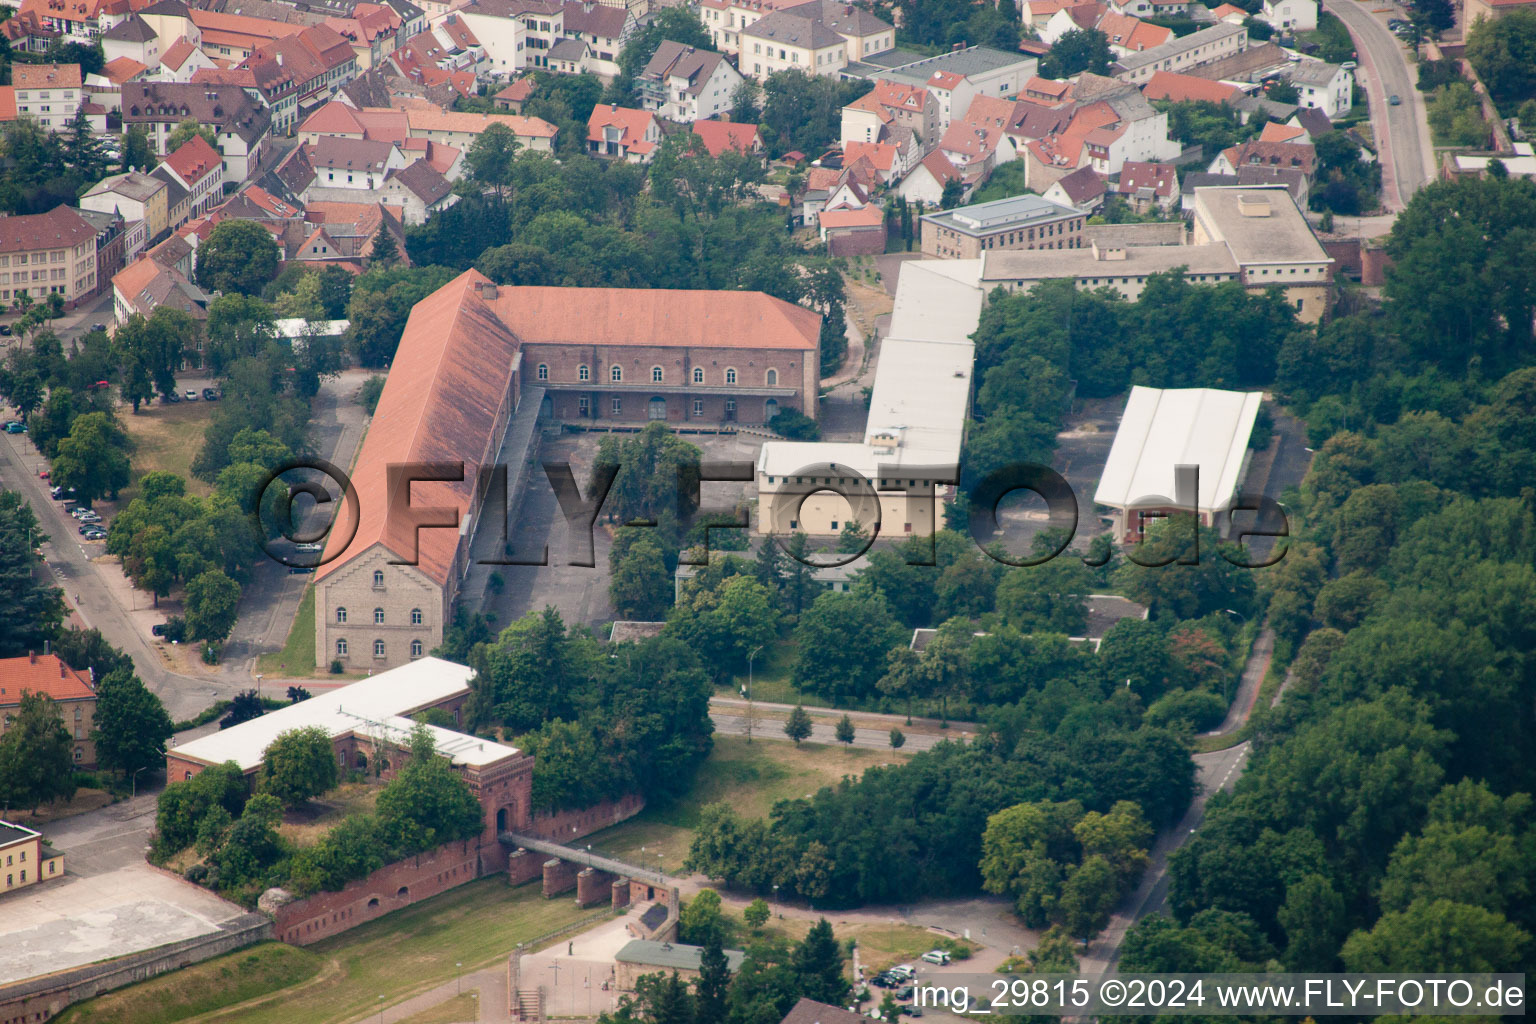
{"x":372,"y":706}
{"x":1162,"y":429}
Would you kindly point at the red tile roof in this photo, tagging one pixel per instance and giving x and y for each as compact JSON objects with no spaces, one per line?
{"x":1170,"y":85}
{"x":882,"y":155}
{"x":7,"y":103}
{"x":864,"y":216}
{"x":41,"y":673}
{"x":635,"y":123}
{"x":1135,"y":175}
{"x":59,"y":228}
{"x":194,"y":159}
{"x":45,"y":76}
{"x":720,"y":136}
{"x":178,"y":52}
{"x":122,"y":69}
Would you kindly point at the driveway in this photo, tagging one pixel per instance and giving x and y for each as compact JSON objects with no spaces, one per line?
{"x":110,"y":901}
{"x":1402,"y":133}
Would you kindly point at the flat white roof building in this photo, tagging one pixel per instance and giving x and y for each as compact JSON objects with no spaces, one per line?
{"x":377,"y":707}
{"x":917,"y":414}
{"x":1163,"y":429}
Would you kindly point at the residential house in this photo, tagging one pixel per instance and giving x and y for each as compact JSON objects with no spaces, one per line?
{"x":514,"y":96}
{"x":443,"y":72}
{"x":1020,"y":222}
{"x":1077,"y":17}
{"x":925,"y":183}
{"x":27,"y":860}
{"x":604,"y":29}
{"x":1145,"y":186}
{"x":623,"y":133}
{"x":239,"y":123}
{"x":75,"y":21}
{"x":1048,"y":91}
{"x":134,"y":38}
{"x":232,"y":37}
{"x":1230,"y":13}
{"x":147,"y":284}
{"x":267,"y":80}
{"x":171,"y":20}
{"x":178,"y":201}
{"x":1326,"y":87}
{"x":458,"y":129}
{"x":50,"y":94}
{"x":351,"y":228}
{"x":111,"y":244}
{"x":729,"y":136}
{"x":319,"y":60}
{"x":1291,"y":16}
{"x":1083,"y":190}
{"x":182,"y":60}
{"x":137,"y":197}
{"x":1177,"y":88}
{"x":889,"y":160}
{"x":44,"y":254}
{"x":1128,"y":35}
{"x":1202,"y":46}
{"x":1294,"y":155}
{"x":25,"y":32}
{"x":355,"y":164}
{"x":199,"y":169}
{"x":725,"y":19}
{"x":853,"y":231}
{"x":418,"y":190}
{"x":892,"y":103}
{"x":1150,"y":8}
{"x":372,"y":30}
{"x":106,"y":88}
{"x":685,"y":84}
{"x":791,"y":38}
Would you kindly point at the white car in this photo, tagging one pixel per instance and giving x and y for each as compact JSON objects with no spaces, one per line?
{"x":191,"y":395}
{"x":936,"y":956}
{"x":903,"y":972}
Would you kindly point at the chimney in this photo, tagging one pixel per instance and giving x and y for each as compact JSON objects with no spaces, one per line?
{"x":32,"y":657}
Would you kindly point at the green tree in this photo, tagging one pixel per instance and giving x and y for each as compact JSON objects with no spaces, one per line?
{"x":1314,"y":919}
{"x":1503,"y":51}
{"x":1076,"y":51}
{"x":898,"y":739}
{"x":1454,"y":936}
{"x":491,"y":156}
{"x":842,"y":642}
{"x":844,"y":730}
{"x":1088,"y":897}
{"x":818,"y":964}
{"x":238,"y":256}
{"x":713,"y":984}
{"x":798,"y":726}
{"x":93,"y":460}
{"x":130,"y":725}
{"x":212,"y":603}
{"x":36,"y":755}
{"x":638,"y":582}
{"x":184,"y":132}
{"x":33,"y":607}
{"x":1194,"y":578}
{"x":298,"y":765}
{"x":756,"y":913}
{"x":386,"y":251}
{"x":702,"y":920}
{"x":1051,"y":597}
{"x":138,"y":154}
{"x":428,"y":803}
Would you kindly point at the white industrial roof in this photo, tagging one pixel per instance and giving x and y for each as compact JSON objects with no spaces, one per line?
{"x":373,"y":706}
{"x":1162,"y":429}
{"x":922,"y":381}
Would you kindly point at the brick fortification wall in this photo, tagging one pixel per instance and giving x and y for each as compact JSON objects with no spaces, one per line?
{"x":566,"y":826}
{"x":39,"y":999}
{"x":391,"y":887}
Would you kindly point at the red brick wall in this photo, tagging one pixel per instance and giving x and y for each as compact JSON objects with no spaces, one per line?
{"x":329,"y":913}
{"x":564,"y":826}
{"x":868,"y":242}
{"x":1373,"y":267}
{"x":1346,"y":256}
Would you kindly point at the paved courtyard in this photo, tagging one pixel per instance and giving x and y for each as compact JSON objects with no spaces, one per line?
{"x":109,"y":903}
{"x":573,"y":973}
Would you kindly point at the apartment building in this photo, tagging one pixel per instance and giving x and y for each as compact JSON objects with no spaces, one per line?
{"x":24,"y":860}
{"x":51,"y":253}
{"x":73,"y":696}
{"x":240,"y":123}
{"x":1201,"y":47}
{"x":685,"y":84}
{"x":820,"y":37}
{"x":50,"y":94}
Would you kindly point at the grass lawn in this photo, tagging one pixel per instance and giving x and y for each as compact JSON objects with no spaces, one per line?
{"x":297,"y":658}
{"x":459,"y":1008}
{"x":880,"y":945}
{"x":167,"y":437}
{"x":411,"y":950}
{"x":207,"y":986}
{"x":304,"y":825}
{"x":751,"y":777}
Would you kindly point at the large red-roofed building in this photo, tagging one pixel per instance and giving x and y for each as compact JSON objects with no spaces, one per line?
{"x":72,"y":694}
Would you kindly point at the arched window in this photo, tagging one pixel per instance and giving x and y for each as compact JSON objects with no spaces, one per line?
{"x":378,"y":616}
{"x":378,"y":578}
{"x":698,"y":375}
{"x":616,"y":373}
{"x":656,"y":375}
{"x":773,"y":378}
{"x":415,"y":648}
{"x":341,"y":648}
{"x":583,"y":372}
{"x":543,"y":371}
{"x":341,"y":615}
{"x":415,"y":616}
{"x":730,"y":375}
{"x":378,"y":648}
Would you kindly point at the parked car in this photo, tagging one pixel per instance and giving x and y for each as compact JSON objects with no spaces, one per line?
{"x":1395,"y":100}
{"x":912,"y":1011}
{"x":43,"y":474}
{"x":883,"y":981}
{"x":15,"y":427}
{"x":60,"y":494}
{"x":98,"y":385}
{"x":300,"y":570}
{"x":158,"y":629}
{"x":86,"y":528}
{"x":936,"y":956}
{"x":96,"y":534}
{"x":904,"y":993}
{"x":191,"y":394}
{"x":99,"y":327}
{"x":210,"y":395}
{"x":5,"y":329}
{"x":170,"y":399}
{"x":87,"y":516}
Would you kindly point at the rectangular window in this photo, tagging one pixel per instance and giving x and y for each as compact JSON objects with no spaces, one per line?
{"x":617,"y":406}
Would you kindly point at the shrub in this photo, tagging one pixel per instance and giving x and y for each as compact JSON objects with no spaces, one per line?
{"x":368,"y":394}
{"x":336,"y":667}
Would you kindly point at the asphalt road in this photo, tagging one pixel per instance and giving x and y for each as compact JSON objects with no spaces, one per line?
{"x":1402,"y":134}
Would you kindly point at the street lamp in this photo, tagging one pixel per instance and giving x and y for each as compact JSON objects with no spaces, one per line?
{"x":258,"y":686}
{"x":135,"y":790}
{"x":458,"y":976}
{"x":752,"y":654}
{"x":381,"y":1010}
